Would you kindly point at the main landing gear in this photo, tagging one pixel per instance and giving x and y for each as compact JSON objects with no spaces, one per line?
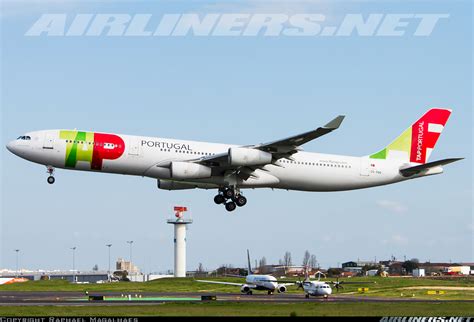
{"x":231,"y":197}
{"x":50,"y":171}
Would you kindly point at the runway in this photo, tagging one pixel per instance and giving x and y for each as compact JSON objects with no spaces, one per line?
{"x":145,"y":298}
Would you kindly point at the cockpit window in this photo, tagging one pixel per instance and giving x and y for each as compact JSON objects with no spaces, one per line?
{"x":24,"y":137}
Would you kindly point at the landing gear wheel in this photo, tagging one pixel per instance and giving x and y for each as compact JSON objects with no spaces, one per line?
{"x":270,"y":293}
{"x":219,"y":199}
{"x":230,"y":206}
{"x":240,"y":201}
{"x":249,"y":293}
{"x":229,"y":193}
{"x":51,"y":180}
{"x":306,"y":296}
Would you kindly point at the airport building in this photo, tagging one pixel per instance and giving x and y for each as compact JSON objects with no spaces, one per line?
{"x":71,"y":276}
{"x":123,"y":265}
{"x":281,"y":270}
{"x":356,"y":267}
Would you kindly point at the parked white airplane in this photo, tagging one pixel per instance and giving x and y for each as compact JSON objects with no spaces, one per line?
{"x":320,"y":288}
{"x":315,"y":288}
{"x":255,"y":282}
{"x":229,"y":168}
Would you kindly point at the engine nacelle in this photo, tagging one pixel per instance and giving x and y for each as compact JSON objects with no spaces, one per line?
{"x":245,"y":289}
{"x":245,"y":156}
{"x":189,"y":170}
{"x":281,"y":289}
{"x":173,"y":185}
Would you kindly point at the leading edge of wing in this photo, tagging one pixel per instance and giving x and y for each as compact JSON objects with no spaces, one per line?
{"x":223,"y":283}
{"x":280,"y":148}
{"x":300,"y":139}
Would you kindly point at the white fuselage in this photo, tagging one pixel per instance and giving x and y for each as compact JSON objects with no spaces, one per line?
{"x":262,"y":282}
{"x":316,"y":288}
{"x":151,"y":157}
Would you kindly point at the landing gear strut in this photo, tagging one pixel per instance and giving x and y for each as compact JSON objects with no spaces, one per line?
{"x":231,"y":198}
{"x":50,"y":171}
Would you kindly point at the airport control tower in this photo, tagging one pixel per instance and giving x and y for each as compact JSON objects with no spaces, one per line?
{"x":180,"y":240}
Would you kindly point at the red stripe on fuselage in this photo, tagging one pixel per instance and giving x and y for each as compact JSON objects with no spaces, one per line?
{"x":106,"y":147}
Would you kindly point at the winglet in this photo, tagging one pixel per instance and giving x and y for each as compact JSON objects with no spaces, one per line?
{"x":335,"y":123}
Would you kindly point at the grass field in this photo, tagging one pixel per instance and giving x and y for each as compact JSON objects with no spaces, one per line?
{"x":389,"y":287}
{"x":383,"y":287}
{"x":251,"y":309}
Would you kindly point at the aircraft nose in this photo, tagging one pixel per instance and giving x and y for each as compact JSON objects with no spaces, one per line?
{"x":10,"y":146}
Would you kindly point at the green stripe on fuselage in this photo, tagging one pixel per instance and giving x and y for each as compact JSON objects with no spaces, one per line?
{"x":78,"y":148}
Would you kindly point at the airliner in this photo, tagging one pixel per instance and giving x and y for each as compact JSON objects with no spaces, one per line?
{"x":315,"y":288}
{"x":319,"y":288}
{"x":280,"y":164}
{"x":258,"y":282}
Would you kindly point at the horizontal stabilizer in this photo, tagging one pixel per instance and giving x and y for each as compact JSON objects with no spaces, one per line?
{"x":407,"y":172}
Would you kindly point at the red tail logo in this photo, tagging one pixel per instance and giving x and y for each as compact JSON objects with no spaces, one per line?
{"x":425,"y":133}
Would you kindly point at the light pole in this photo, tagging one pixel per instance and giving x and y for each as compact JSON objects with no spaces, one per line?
{"x":130,"y":242}
{"x":109,"y":245}
{"x":73,"y":264}
{"x":17,"y":270}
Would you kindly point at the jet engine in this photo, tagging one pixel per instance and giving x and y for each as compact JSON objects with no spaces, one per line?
{"x":189,"y":170}
{"x":245,"y":289}
{"x":173,"y":185}
{"x":245,"y":156}
{"x":281,"y":289}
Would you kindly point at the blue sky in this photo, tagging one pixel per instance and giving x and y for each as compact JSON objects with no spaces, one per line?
{"x":241,"y":90}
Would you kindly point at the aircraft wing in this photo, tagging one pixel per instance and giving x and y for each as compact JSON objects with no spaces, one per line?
{"x":223,"y":283}
{"x":291,"y":144}
{"x":283,"y":148}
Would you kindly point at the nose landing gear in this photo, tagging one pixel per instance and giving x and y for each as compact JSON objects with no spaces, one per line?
{"x":50,"y":171}
{"x":231,"y":198}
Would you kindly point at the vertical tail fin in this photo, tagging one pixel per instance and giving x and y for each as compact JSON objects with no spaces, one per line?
{"x":417,"y":142}
{"x":249,"y":266}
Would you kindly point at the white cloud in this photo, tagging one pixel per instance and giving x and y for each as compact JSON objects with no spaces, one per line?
{"x":392,"y":206}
